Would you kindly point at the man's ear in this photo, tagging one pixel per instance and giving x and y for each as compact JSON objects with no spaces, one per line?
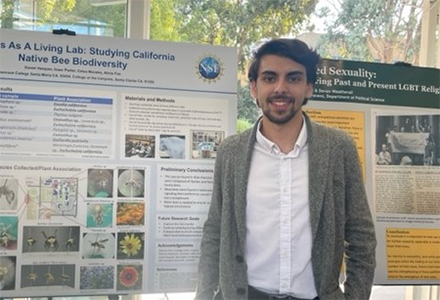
{"x":309,"y":90}
{"x":253,"y":89}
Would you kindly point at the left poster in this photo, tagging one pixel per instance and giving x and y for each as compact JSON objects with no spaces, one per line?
{"x":107,"y":150}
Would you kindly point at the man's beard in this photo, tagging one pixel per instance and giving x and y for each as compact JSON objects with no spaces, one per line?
{"x":285,"y":116}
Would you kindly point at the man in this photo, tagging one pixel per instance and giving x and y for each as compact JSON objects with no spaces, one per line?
{"x":288,"y":202}
{"x":384,"y":156}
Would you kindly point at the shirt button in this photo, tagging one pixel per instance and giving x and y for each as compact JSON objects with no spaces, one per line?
{"x":239,"y":258}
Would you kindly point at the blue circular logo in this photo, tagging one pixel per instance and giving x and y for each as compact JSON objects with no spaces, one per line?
{"x":209,"y":68}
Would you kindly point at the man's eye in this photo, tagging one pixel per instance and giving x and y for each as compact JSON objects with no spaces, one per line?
{"x":294,"y":79}
{"x":269,"y":78}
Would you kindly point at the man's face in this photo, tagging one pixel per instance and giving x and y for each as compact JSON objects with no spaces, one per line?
{"x":281,"y":88}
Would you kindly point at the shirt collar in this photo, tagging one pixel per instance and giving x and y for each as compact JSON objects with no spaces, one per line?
{"x":271,"y":147}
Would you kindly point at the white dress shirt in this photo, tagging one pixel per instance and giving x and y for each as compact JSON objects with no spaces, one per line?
{"x":279,"y":239}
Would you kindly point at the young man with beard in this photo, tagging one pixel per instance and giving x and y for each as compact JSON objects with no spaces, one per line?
{"x":288,"y":205}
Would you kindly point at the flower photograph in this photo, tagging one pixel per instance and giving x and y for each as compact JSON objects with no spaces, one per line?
{"x":129,"y":277}
{"x":130,"y":213}
{"x":131,"y":245}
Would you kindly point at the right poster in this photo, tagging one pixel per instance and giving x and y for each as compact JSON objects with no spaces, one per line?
{"x":393,"y":113}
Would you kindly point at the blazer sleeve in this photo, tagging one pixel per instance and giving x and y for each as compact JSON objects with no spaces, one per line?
{"x":360,"y":238}
{"x":208,"y":268}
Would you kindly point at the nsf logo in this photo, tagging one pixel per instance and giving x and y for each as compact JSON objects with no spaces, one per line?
{"x":209,"y":69}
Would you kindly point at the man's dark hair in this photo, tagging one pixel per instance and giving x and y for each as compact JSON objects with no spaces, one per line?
{"x":293,"y":49}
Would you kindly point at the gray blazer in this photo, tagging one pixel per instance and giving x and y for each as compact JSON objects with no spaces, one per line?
{"x":342,"y":225}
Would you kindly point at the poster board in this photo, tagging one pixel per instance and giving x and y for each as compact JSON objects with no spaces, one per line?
{"x":398,"y":108}
{"x":107,"y":148}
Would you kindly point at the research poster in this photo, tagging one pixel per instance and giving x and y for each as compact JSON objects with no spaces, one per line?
{"x":393,"y":114}
{"x":107,"y":149}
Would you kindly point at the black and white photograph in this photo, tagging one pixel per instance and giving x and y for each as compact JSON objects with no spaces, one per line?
{"x":408,"y":140}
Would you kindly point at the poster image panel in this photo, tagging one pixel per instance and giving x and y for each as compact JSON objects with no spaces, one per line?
{"x":8,"y":266}
{"x":97,"y":277}
{"x":143,"y":146}
{"x":204,"y":144}
{"x":131,"y":245}
{"x":49,"y":240}
{"x":131,"y":183}
{"x":8,"y":232}
{"x":59,"y":195}
{"x":58,"y":277}
{"x":408,"y":140}
{"x":100,"y":183}
{"x":130,"y":214}
{"x":407,"y":164}
{"x":172,"y":146}
{"x":129,"y":277}
{"x":98,"y":245}
{"x":99,"y":215}
{"x":8,"y":194}
{"x":406,"y":193}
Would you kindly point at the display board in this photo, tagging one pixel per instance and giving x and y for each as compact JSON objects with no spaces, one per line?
{"x":393,"y":113}
{"x":107,"y":148}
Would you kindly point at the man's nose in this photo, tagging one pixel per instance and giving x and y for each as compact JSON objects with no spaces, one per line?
{"x":280,"y":87}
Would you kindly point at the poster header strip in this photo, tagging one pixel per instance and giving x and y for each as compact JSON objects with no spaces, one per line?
{"x":56,"y":98}
{"x":128,"y":86}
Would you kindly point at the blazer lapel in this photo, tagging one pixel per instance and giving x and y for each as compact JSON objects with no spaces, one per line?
{"x":242,"y":168}
{"x":319,"y":157}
